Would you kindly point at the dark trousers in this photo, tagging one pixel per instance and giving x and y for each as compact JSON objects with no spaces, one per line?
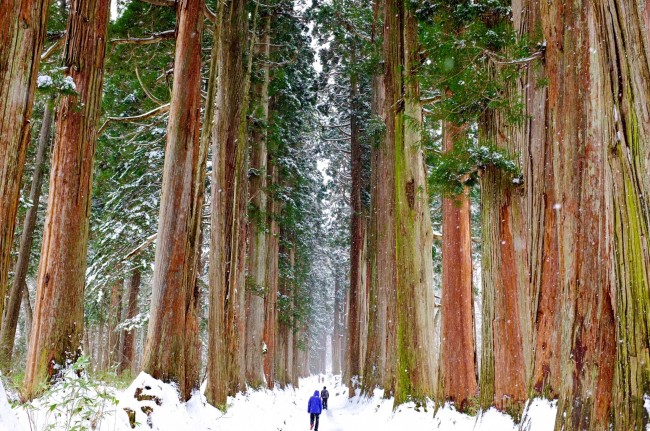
{"x":324,"y":403}
{"x":313,"y":420}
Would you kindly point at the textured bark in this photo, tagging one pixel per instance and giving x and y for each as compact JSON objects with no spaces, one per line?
{"x":19,"y":284}
{"x":626,"y":67}
{"x":415,"y":368}
{"x":503,"y":372}
{"x":169,"y":350}
{"x":127,"y":360}
{"x":257,"y":288}
{"x":228,"y":211}
{"x":58,"y":317}
{"x":458,"y":356}
{"x":576,"y":125}
{"x":23,"y":25}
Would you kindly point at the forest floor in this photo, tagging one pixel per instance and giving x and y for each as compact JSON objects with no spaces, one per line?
{"x":105,"y":409}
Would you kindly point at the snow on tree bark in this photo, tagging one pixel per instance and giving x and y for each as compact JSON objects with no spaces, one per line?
{"x":57,"y":331}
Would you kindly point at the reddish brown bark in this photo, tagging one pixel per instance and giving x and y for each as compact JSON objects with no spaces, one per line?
{"x":173,"y":324}
{"x":58,"y":317}
{"x":127,"y":360}
{"x":19,"y":285}
{"x":458,"y":345}
{"x":23,"y":25}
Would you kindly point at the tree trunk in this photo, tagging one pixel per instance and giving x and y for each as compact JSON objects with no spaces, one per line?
{"x":415,"y":368}
{"x":257,"y":288}
{"x":23,"y":26}
{"x":228,"y":213}
{"x":127,"y":360}
{"x":114,"y":316}
{"x":19,"y":284}
{"x":173,"y":317}
{"x":58,"y":319}
{"x":272,"y":282}
{"x":459,"y":377}
{"x":576,"y":126}
{"x":336,"y":330}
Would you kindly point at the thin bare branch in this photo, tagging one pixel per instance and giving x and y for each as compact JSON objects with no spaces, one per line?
{"x":146,"y":91}
{"x":154,"y":38}
{"x":156,"y":111}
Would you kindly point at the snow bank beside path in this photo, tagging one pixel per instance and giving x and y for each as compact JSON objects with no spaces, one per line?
{"x":148,"y":404}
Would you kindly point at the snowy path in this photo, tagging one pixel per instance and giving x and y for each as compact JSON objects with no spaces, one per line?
{"x":284,"y":410}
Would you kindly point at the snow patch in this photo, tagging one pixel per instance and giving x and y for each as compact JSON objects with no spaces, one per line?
{"x":8,"y":420}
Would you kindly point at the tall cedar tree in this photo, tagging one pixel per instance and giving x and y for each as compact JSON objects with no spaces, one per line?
{"x":57,"y":330}
{"x":415,"y":368}
{"x":172,"y":348}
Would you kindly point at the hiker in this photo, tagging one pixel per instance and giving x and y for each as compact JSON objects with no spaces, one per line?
{"x":314,"y":408}
{"x":324,"y":395}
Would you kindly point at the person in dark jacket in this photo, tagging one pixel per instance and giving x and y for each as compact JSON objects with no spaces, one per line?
{"x":314,"y":408}
{"x":324,"y":396}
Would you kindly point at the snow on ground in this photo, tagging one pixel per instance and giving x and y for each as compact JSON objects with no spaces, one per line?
{"x":7,"y":416}
{"x":158,"y":408}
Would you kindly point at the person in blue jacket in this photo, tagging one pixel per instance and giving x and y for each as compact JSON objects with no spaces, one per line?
{"x":314,"y":408}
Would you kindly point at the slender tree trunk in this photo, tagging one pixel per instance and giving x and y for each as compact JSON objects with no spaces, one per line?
{"x":114,"y":316}
{"x":19,"y":284}
{"x":458,"y":347}
{"x":58,"y":318}
{"x":27,"y":309}
{"x":336,"y":333}
{"x":357,"y":246}
{"x":228,"y":208}
{"x":127,"y":360}
{"x":415,"y":368}
{"x":173,"y":316}
{"x":23,"y":25}
{"x":272,"y":282}
{"x":257,"y":288}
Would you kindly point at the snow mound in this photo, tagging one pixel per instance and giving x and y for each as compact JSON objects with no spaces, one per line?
{"x":149,"y":404}
{"x":8,"y":420}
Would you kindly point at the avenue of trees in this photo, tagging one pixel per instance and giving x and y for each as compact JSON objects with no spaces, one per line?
{"x":450,"y":200}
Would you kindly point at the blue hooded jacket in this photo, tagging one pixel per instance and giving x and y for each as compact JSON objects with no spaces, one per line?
{"x":315,"y":405}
